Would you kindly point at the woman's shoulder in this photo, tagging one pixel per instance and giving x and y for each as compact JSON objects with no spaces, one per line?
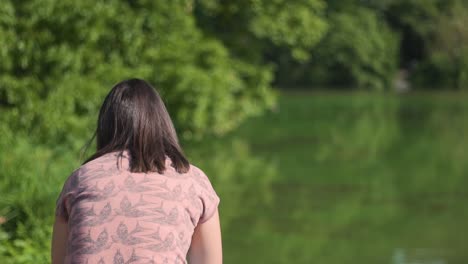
{"x":194,"y":169}
{"x":196,"y":172}
{"x":106,"y":162}
{"x":200,"y":177}
{"x":100,"y":167}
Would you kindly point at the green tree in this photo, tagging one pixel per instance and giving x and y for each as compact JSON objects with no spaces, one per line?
{"x":432,"y":40}
{"x":260,"y":30}
{"x":59,"y":58}
{"x":362,"y":47}
{"x":359,"y":50}
{"x":448,"y":57}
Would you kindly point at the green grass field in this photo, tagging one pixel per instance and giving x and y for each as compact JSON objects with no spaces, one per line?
{"x":357,"y":178}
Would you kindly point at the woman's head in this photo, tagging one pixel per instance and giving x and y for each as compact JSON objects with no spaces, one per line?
{"x":133,"y":118}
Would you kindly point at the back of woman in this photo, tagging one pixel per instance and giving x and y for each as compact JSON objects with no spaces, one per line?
{"x":137,"y":199}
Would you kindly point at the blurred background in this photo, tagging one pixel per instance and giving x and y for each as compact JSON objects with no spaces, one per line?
{"x":333,"y":131}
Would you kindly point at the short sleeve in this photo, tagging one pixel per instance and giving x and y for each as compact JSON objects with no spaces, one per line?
{"x":62,"y":207}
{"x":208,"y":196}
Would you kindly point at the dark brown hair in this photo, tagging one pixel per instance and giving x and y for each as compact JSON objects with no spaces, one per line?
{"x":133,"y":118}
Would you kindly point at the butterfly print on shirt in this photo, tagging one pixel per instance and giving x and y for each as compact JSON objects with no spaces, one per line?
{"x":165,"y":245}
{"x":182,"y":241}
{"x":179,"y":260}
{"x":171,"y":218}
{"x":151,"y":261}
{"x":123,"y":236}
{"x":132,"y":186}
{"x":193,"y":198}
{"x":105,"y":216}
{"x":105,"y":193}
{"x":111,"y":208}
{"x":174,"y":194}
{"x":86,"y":217}
{"x":129,"y":210}
{"x":89,"y":246}
{"x":201,"y":180}
{"x":155,"y":235}
{"x":79,"y":240}
{"x":97,"y":172}
{"x":119,"y":259}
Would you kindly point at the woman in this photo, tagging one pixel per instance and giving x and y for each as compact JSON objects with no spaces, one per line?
{"x":137,"y":199}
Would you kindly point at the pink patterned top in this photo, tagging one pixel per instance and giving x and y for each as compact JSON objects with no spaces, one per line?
{"x":116,"y":216}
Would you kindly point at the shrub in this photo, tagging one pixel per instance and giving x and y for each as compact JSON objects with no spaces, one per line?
{"x":359,"y":50}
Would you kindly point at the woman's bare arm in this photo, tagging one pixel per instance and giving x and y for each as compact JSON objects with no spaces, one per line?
{"x":59,"y":240}
{"x":206,"y":245}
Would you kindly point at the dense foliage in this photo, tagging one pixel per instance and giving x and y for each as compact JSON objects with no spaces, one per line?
{"x":252,"y":28}
{"x":359,"y":50}
{"x":69,"y":53}
{"x":59,"y":58}
{"x":368,"y":40}
{"x":447,"y":62}
{"x":213,"y":61}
